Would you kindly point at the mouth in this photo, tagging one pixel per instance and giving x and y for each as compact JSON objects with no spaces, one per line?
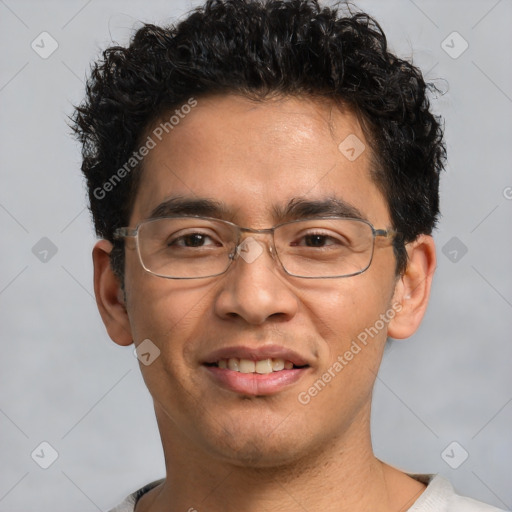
{"x":260,"y":367}
{"x":255,"y":372}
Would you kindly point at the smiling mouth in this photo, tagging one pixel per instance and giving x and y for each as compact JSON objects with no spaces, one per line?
{"x":262,"y":366}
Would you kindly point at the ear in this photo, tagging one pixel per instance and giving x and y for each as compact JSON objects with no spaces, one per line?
{"x":412,"y":290}
{"x":110,"y":296}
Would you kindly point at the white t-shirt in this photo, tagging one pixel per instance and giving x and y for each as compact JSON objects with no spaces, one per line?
{"x":439,"y":496}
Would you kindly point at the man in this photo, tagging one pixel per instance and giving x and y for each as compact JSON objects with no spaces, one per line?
{"x":264,"y":177}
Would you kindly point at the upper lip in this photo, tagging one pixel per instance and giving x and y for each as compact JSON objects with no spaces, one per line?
{"x":256,"y":354}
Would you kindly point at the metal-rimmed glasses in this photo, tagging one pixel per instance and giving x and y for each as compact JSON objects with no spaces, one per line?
{"x":194,"y":247}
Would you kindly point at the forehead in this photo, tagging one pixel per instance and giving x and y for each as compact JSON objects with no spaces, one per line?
{"x":253,"y":158}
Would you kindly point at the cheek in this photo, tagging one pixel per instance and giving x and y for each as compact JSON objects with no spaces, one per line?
{"x":160,"y":307}
{"x":172,"y":315}
{"x":348,"y":319}
{"x":352,"y":319}
{"x":345,"y":308}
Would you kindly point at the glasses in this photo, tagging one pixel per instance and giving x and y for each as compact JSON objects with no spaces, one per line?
{"x":193,"y":247}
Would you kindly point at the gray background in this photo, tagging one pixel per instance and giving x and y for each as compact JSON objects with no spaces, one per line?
{"x":64,"y":382}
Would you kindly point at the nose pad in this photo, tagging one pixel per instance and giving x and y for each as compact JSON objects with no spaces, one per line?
{"x":250,"y":250}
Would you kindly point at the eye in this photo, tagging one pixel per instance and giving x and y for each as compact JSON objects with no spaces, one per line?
{"x":318,"y":240}
{"x":191,"y":240}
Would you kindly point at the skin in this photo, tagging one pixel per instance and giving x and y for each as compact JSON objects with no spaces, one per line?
{"x":224,"y":451}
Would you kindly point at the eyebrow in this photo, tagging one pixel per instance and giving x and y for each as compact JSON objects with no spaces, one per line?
{"x":296,"y":208}
{"x":180,"y":205}
{"x":299,"y":208}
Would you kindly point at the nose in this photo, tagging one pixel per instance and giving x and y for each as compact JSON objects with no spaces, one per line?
{"x":255,"y":288}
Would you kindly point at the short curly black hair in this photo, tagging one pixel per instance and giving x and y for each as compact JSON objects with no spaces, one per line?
{"x":262,"y":48}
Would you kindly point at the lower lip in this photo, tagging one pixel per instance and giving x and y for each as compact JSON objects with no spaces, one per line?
{"x":255,"y":384}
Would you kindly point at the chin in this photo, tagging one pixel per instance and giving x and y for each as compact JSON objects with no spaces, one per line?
{"x":260,"y":454}
{"x":260,"y":444}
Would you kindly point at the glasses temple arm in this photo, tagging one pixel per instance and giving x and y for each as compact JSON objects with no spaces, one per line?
{"x":120,"y":233}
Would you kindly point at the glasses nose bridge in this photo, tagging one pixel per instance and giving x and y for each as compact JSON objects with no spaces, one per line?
{"x":249,"y":232}
{"x":262,"y":231}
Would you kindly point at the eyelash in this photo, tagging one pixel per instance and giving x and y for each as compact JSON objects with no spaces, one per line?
{"x":177,"y":240}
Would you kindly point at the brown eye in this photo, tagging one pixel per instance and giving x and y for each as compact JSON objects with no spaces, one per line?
{"x":315,"y":240}
{"x":192,"y":240}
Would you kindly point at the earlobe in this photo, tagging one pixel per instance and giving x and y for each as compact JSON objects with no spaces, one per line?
{"x":109,"y":295}
{"x":412,"y":289}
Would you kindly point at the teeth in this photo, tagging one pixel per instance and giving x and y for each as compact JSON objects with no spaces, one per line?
{"x":248,"y":366}
{"x":277,"y":364}
{"x":264,"y":366}
{"x":233,"y":364}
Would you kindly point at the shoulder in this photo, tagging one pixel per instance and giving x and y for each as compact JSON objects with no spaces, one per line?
{"x":463,"y":504}
{"x":128,"y":504}
{"x":439,"y":496}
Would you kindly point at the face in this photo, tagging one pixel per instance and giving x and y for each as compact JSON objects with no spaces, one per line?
{"x":254,"y":159}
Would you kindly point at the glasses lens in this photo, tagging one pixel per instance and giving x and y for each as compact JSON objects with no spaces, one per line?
{"x":325,"y":247}
{"x":185,"y":247}
{"x":194,"y":247}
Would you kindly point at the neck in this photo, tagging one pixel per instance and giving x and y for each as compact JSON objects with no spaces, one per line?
{"x":344,"y":476}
